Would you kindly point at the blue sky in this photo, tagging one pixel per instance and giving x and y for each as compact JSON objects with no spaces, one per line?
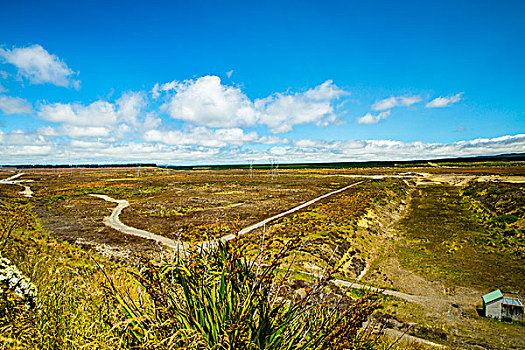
{"x":228,"y":82}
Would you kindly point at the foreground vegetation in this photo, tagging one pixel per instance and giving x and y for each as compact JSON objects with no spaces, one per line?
{"x":455,"y":235}
{"x":205,"y":300}
{"x":70,"y":310}
{"x":217,"y":299}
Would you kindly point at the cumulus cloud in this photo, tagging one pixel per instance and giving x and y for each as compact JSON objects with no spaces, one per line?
{"x":130,"y":105}
{"x":160,"y":88}
{"x":441,"y":101}
{"x":131,"y":109}
{"x":207,"y":137}
{"x":281,"y":111}
{"x":308,"y":143}
{"x":89,"y":145}
{"x":373,"y":119}
{"x":85,"y":131}
{"x":19,"y":138}
{"x":126,"y":117}
{"x":207,"y":102}
{"x":26,"y":152}
{"x":47,"y":131}
{"x":39,"y":66}
{"x":99,"y":113}
{"x":399,"y":101}
{"x":14,"y":105}
{"x":20,"y":147}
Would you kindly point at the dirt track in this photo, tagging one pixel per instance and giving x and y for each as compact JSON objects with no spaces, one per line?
{"x":11,"y":181}
{"x":113,"y":221}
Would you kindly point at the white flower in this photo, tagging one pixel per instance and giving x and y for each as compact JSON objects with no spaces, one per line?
{"x":13,"y":279}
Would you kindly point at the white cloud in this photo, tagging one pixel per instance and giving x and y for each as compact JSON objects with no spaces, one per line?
{"x":127,"y":117}
{"x":21,"y":138}
{"x":271,"y":140}
{"x":130,"y":104}
{"x":17,"y":147}
{"x":26,"y":153}
{"x":39,"y":66}
{"x":441,"y":101}
{"x":14,"y":105}
{"x":158,"y":89}
{"x":308,"y":143}
{"x":280,"y":112}
{"x":85,"y":131}
{"x":89,"y":145}
{"x":3,"y":89}
{"x":229,"y":73}
{"x":373,"y":119}
{"x":207,"y":137}
{"x":207,"y":102}
{"x":99,"y":113}
{"x":399,"y":101}
{"x":47,"y":131}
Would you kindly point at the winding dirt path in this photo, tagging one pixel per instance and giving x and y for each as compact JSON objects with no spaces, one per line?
{"x":114,"y":222}
{"x":408,"y":297}
{"x":402,"y":336}
{"x":11,"y":181}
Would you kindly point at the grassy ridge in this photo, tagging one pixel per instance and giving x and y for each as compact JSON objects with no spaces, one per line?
{"x":444,"y":239}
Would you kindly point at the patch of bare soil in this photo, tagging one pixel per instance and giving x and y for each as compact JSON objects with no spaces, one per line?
{"x":89,"y":231}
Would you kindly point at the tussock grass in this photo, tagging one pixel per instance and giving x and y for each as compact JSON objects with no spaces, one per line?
{"x":216,"y":299}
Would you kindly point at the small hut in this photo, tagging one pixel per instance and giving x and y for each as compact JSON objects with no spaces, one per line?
{"x":502,"y":307}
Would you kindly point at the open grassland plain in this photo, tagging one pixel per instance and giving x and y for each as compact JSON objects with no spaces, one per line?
{"x":205,"y":301}
{"x":442,"y":234}
{"x":188,"y":205}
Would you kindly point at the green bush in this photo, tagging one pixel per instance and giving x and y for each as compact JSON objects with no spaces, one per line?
{"x":217,"y":299}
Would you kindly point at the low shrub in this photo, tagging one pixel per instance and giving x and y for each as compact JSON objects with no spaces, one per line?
{"x":218,"y":299}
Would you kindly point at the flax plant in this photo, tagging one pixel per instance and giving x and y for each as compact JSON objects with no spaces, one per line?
{"x":216,"y":298}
